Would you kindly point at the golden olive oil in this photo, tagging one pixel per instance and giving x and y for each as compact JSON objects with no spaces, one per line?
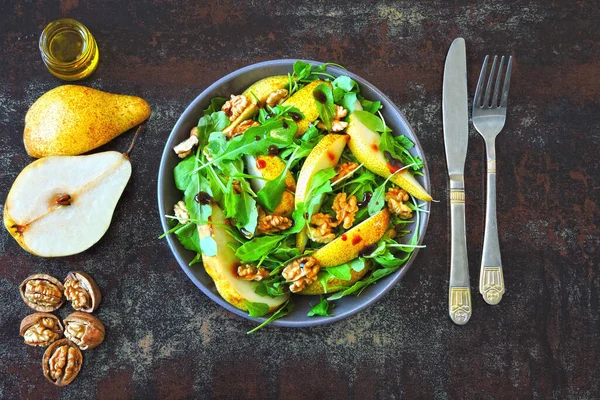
{"x":68,"y":49}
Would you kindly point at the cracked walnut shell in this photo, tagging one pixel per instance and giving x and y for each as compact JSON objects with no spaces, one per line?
{"x":42,"y":292}
{"x":82,"y":291}
{"x":85,"y":330}
{"x":62,"y":362}
{"x":41,"y":329}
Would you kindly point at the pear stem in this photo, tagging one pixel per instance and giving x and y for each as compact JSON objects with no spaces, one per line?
{"x":137,"y":132}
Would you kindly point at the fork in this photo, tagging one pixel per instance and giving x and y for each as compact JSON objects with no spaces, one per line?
{"x":489,"y":117}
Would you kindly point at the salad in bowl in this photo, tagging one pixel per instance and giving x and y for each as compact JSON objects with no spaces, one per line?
{"x":297,"y":187}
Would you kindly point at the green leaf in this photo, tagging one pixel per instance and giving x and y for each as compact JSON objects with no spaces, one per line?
{"x":358,"y":264}
{"x":349,"y":102}
{"x":324,"y":101}
{"x":404,"y":142}
{"x":321,"y":308}
{"x":256,"y":310}
{"x":299,"y":219}
{"x":257,"y":140}
{"x":341,"y":272}
{"x":284,"y":310}
{"x":271,"y":194}
{"x":215,"y":105}
{"x":352,"y":289}
{"x":371,"y":121}
{"x":208,"y":246}
{"x":377,"y":201}
{"x":302,"y":70}
{"x":188,"y":237}
{"x":196,"y":185}
{"x":254,"y":249}
{"x":370,"y":106}
{"x":182,"y":172}
{"x":214,"y":122}
{"x":345,"y":83}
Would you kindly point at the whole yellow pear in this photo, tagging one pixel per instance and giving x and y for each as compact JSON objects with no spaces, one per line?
{"x":71,"y":120}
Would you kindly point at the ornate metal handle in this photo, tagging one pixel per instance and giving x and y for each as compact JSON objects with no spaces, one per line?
{"x":459,"y":295}
{"x":491,"y":279}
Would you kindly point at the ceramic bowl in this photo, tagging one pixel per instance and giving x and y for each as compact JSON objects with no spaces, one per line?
{"x":168,"y":194}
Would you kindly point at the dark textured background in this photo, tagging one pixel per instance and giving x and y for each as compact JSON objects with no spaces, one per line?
{"x":166,"y":339}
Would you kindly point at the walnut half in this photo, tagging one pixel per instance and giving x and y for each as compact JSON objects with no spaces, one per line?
{"x":62,"y":362}
{"x":82,"y":291}
{"x":42,"y":292}
{"x":41,"y":329}
{"x":85,"y":330}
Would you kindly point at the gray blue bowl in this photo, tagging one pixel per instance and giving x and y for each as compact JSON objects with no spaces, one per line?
{"x":168,"y":194}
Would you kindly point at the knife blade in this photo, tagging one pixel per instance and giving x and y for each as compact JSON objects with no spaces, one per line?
{"x":456,"y":137}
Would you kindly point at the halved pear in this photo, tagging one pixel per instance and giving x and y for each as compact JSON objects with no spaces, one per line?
{"x":325,"y":154}
{"x":348,"y":246}
{"x":304,"y":101}
{"x":334,"y":284}
{"x":222,"y":267}
{"x":256,"y":95}
{"x":62,"y":205}
{"x":364,"y":144}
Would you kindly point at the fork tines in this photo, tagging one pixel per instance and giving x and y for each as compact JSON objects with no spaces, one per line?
{"x":498,"y":78}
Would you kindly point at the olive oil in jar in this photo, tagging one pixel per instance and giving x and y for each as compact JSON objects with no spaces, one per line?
{"x":68,"y":49}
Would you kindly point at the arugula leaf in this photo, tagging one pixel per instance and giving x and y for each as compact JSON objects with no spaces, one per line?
{"x":256,"y":140}
{"x":324,"y":101}
{"x":214,"y":122}
{"x":404,"y":142}
{"x":284,"y":310}
{"x":182,"y":172}
{"x":352,"y":289}
{"x":254,"y":249}
{"x":341,"y":272}
{"x":371,"y":121}
{"x":208,"y":246}
{"x":302,"y":69}
{"x":196,"y":185}
{"x":377,"y":201}
{"x":321,"y":308}
{"x":256,"y":310}
{"x":188,"y":237}
{"x":349,"y":102}
{"x":215,"y":105}
{"x":358,"y":264}
{"x":369,"y":106}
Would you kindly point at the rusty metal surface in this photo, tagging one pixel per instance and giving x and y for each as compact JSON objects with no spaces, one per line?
{"x":167,"y":340}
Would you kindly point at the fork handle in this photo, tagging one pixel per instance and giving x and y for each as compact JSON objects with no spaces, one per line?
{"x":459,"y":291}
{"x":491,"y":278}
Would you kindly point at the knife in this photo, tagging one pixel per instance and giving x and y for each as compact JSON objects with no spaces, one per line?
{"x":456,"y":136}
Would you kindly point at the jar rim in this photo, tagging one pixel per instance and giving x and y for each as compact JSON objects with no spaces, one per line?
{"x":51,"y":28}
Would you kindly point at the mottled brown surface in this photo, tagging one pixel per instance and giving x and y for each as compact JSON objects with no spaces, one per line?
{"x":166,"y":339}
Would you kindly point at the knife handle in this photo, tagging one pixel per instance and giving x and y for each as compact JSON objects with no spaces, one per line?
{"x":491,"y":278}
{"x":459,"y":295}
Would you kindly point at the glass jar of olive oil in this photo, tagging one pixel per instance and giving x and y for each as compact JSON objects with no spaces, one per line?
{"x":68,"y":49}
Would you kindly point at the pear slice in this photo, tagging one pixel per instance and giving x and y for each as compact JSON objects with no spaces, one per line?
{"x":348,"y":246}
{"x":222,"y":267}
{"x":268,"y":167}
{"x":304,"y":101}
{"x":72,"y":119}
{"x":325,"y":154}
{"x":62,"y":205}
{"x":364,"y":144}
{"x":334,"y":284}
{"x":256,"y":95}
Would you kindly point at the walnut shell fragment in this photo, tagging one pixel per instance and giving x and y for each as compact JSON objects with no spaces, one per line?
{"x":62,"y":362}
{"x":41,"y":329}
{"x":82,"y":291}
{"x":85,"y":330}
{"x":42,"y":292}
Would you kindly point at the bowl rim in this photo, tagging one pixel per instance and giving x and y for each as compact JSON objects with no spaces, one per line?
{"x":383,"y":288}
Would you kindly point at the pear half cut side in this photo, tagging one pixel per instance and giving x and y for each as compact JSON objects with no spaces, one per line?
{"x":62,"y":205}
